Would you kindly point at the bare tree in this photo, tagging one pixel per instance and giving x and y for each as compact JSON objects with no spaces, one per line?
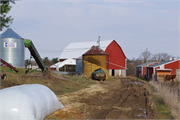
{"x":131,"y":64}
{"x":161,"y":57}
{"x":165,"y":56}
{"x":143,"y":56}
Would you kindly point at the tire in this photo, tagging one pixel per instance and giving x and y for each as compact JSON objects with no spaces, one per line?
{"x":4,"y":76}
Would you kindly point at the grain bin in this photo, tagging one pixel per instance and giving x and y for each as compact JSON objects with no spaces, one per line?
{"x":12,"y":48}
{"x":93,"y":59}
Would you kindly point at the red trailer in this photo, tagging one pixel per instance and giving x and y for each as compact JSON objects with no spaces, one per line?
{"x":7,"y":65}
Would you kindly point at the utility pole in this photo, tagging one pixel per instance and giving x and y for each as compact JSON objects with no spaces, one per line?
{"x":146,"y":56}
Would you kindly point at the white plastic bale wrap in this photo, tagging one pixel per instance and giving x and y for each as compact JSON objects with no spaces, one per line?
{"x":27,"y":102}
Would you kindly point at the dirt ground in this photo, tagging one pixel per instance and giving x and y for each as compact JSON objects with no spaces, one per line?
{"x":124,"y":98}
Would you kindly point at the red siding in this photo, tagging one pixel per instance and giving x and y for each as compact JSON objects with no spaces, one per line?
{"x":61,"y":60}
{"x":52,"y":69}
{"x":153,"y":64}
{"x":144,"y":71}
{"x":117,"y":59}
{"x":173,"y":65}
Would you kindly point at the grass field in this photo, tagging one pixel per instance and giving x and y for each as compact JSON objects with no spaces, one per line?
{"x":21,"y":70}
{"x":59,"y":84}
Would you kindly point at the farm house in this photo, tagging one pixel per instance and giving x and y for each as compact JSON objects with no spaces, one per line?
{"x":93,"y":59}
{"x":164,"y":67}
{"x":117,"y":58}
{"x":140,"y":70}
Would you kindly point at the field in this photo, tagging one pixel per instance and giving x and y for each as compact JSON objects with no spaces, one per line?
{"x":116,"y":98}
{"x":59,"y":84}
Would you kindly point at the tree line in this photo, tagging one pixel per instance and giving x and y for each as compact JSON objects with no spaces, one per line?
{"x":47,"y":62}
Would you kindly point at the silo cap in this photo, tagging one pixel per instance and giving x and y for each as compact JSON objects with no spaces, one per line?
{"x":9,"y":33}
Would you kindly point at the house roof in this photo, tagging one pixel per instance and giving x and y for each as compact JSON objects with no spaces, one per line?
{"x":162,"y":63}
{"x":145,"y":64}
{"x":95,"y":50}
{"x":76,"y":49}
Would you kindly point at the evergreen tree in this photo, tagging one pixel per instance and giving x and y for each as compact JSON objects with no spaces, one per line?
{"x":5,"y":8}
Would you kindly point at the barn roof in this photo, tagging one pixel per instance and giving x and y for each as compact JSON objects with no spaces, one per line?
{"x":76,"y":49}
{"x":162,"y":63}
{"x":95,"y":50}
{"x":145,"y":64}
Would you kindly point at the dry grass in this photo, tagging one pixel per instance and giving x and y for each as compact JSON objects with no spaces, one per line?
{"x":59,"y":84}
{"x":169,"y":92}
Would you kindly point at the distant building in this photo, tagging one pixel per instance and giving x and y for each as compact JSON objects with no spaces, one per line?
{"x":140,"y":70}
{"x":117,"y":59}
{"x":171,"y":65}
{"x":68,"y":65}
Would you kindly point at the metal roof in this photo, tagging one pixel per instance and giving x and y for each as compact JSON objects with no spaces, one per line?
{"x":79,"y":58}
{"x":69,"y":61}
{"x":164,"y":69}
{"x":76,"y":49}
{"x":161,"y":63}
{"x":9,"y":33}
{"x":145,"y":64}
{"x":95,"y":50}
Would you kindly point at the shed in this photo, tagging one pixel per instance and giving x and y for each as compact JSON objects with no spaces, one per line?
{"x":172,"y":64}
{"x":53,"y":67}
{"x":140,"y":70}
{"x":68,"y":65}
{"x":93,"y":59}
{"x":117,"y":58}
{"x":161,"y":73}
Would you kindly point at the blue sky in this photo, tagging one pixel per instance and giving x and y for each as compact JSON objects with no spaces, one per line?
{"x":134,"y":24}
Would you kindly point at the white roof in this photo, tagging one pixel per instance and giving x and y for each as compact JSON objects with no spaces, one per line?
{"x":54,"y":66}
{"x":76,"y":49}
{"x":165,"y":69}
{"x":69,"y":61}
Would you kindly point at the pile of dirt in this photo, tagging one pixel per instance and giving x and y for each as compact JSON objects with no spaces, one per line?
{"x":120,"y":99}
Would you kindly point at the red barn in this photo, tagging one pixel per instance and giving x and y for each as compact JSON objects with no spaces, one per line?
{"x":169,"y":65}
{"x":117,"y":59}
{"x":140,"y":70}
